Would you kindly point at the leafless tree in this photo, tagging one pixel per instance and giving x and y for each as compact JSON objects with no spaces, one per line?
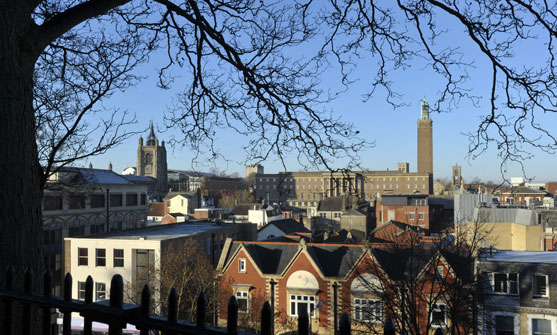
{"x":419,"y":283}
{"x":184,"y":267}
{"x":249,"y":71}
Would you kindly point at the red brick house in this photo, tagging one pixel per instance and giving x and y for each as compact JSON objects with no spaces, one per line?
{"x":310,"y":275}
{"x":522,"y":195}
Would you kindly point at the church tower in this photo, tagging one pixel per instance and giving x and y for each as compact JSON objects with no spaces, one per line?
{"x":425,"y":140}
{"x":151,"y":162}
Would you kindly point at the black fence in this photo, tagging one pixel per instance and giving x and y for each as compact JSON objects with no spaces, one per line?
{"x":116,"y":314}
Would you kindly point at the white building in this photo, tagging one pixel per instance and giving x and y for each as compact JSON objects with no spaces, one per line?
{"x":263,"y":216}
{"x":128,"y":252}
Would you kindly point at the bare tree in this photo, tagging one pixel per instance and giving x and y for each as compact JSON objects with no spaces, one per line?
{"x":244,"y":75}
{"x":184,"y":267}
{"x":237,"y":197}
{"x":420,"y":283}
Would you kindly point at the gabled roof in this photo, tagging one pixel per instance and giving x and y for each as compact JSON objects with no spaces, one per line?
{"x":332,"y":204}
{"x":525,"y":190}
{"x":171,"y":195}
{"x":288,"y":226}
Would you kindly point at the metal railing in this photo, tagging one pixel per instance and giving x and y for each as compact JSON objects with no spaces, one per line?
{"x":116,"y":314}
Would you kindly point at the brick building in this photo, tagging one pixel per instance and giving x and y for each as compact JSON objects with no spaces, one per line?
{"x":300,"y":275}
{"x":305,"y":189}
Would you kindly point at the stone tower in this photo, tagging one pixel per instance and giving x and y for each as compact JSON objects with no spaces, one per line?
{"x":425,"y":140}
{"x":151,"y":162}
{"x":456,"y":179}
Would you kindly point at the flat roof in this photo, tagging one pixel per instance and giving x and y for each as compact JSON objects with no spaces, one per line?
{"x":158,"y":232}
{"x":544,"y":257}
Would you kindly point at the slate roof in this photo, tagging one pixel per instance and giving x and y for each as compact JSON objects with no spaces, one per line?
{"x":139,"y":179}
{"x":288,"y":226}
{"x":337,"y":204}
{"x":525,"y":190}
{"x":94,"y":176}
{"x":242,"y":209}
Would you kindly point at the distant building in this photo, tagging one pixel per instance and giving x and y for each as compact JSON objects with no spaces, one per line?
{"x":279,"y":228}
{"x":254,"y":169}
{"x":425,"y":140}
{"x":456,"y":178}
{"x":516,"y":228}
{"x":75,"y":204}
{"x":306,"y":189}
{"x":151,"y":162}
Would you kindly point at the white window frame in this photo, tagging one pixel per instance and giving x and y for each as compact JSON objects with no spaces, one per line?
{"x":300,"y":299}
{"x":516,"y":321}
{"x":81,"y":290}
{"x":411,"y":216}
{"x":534,"y":286}
{"x":242,"y":295}
{"x":508,"y":291}
{"x":421,"y":216}
{"x":242,"y":265}
{"x":374,"y":313}
{"x":99,"y":292}
{"x":436,"y":308}
{"x":552,"y":319}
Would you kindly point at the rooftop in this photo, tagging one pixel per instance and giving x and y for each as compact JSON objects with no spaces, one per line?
{"x":545,"y":257}
{"x":159,"y":232}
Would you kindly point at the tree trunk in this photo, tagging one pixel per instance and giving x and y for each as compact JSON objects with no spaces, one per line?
{"x":20,"y":199}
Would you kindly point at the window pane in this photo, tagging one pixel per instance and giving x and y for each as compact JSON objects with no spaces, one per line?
{"x":500,"y":282}
{"x":504,"y":325}
{"x":513,"y":282}
{"x":540,"y":326}
{"x":540,"y":288}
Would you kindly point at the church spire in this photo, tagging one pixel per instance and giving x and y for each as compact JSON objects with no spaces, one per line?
{"x":151,"y":138}
{"x":424,"y":115}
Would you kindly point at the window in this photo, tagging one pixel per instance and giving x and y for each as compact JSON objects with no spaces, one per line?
{"x":97,"y":201}
{"x":118,"y":258}
{"x":242,"y":265}
{"x":115,"y":200}
{"x":439,"y":274}
{"x":81,"y":290}
{"x":100,"y":257}
{"x":505,"y":283}
{"x":243,"y":301}
{"x":439,"y":315}
{"x":131,"y":199}
{"x":411,"y":216}
{"x":504,"y":325}
{"x":541,"y":327}
{"x":368,"y":310}
{"x":143,"y":199}
{"x":298,"y":301}
{"x":101,"y":291}
{"x":83,"y":254}
{"x":52,"y":203}
{"x":540,"y":286}
{"x":76,"y":202}
{"x":420,"y":216}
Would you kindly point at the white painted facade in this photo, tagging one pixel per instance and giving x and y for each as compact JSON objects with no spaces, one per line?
{"x":103,"y":274}
{"x":261,"y":217}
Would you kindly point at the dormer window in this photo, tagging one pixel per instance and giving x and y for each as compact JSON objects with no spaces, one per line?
{"x":505,"y":283}
{"x":540,"y":286}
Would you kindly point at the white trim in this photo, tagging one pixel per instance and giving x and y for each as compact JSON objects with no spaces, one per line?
{"x":534,"y":295}
{"x":551,"y":318}
{"x":501,"y":313}
{"x":242,"y":265}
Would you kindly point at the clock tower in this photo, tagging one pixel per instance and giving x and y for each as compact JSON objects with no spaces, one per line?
{"x":151,"y":162}
{"x":425,"y":140}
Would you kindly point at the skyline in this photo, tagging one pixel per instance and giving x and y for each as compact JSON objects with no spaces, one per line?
{"x":393,"y":130}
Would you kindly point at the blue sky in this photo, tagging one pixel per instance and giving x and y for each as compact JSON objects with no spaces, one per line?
{"x":392,"y":130}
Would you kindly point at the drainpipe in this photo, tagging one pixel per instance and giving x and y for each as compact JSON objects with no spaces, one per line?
{"x":335,"y":307}
{"x":273,"y":283}
{"x":107,"y":210}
